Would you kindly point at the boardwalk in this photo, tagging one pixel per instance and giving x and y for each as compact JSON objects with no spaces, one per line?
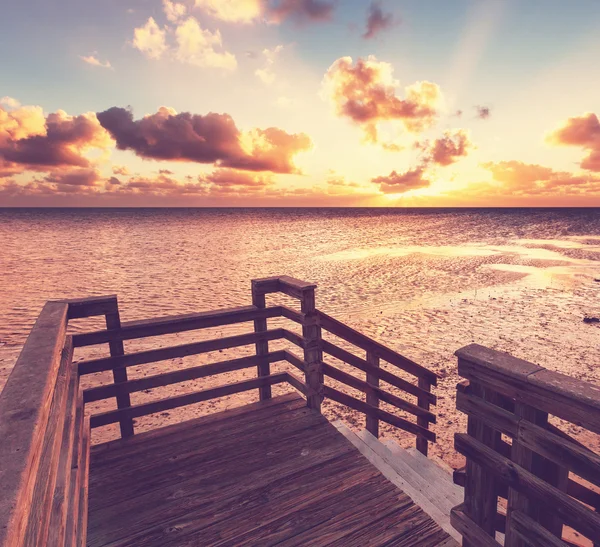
{"x":273,"y":472}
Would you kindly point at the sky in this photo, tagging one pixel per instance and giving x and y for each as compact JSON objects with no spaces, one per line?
{"x":392,"y":103}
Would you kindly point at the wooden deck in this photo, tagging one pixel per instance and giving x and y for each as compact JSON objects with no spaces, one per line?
{"x":274,"y":472}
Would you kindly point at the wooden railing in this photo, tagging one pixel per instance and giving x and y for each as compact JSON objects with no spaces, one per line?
{"x":44,"y":440}
{"x":536,"y":472}
{"x":45,"y":436}
{"x":311,"y":364}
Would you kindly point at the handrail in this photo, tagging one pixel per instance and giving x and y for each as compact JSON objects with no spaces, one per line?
{"x":509,"y":396}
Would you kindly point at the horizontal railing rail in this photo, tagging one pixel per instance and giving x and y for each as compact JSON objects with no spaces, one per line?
{"x":512,"y":397}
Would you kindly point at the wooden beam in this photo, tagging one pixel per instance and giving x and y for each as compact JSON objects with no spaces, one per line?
{"x":573,"y":513}
{"x":365,"y":387}
{"x":313,"y":354}
{"x":295,"y":360}
{"x":372,"y":422}
{"x":167,"y":378}
{"x":172,"y":352}
{"x":364,"y":342}
{"x":91,"y":307}
{"x":113,"y":416}
{"x":24,"y":408}
{"x":532,"y":533}
{"x":365,"y":408}
{"x":295,"y":382}
{"x":177,"y":323}
{"x":421,"y":443}
{"x":261,"y":345}
{"x":382,"y":374}
{"x":469,"y":529}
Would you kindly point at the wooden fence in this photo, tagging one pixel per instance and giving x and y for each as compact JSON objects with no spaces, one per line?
{"x":536,"y":470}
{"x":312,"y":384}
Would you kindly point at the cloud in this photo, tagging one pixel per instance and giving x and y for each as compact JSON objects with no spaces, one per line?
{"x":266,"y":74}
{"x":197,"y":46}
{"x":33,"y":141}
{"x":274,"y":11}
{"x":120,"y":170}
{"x":150,"y":39}
{"x":366,"y":94}
{"x":94,"y":61}
{"x":377,"y":21}
{"x":174,"y":11}
{"x":77,"y":177}
{"x":9,"y":102}
{"x":193,"y":44}
{"x":300,"y":11}
{"x":583,"y":131}
{"x":526,"y":179}
{"x":233,"y":11}
{"x":396,"y":183}
{"x":450,"y":147}
{"x":483,"y":112}
{"x":211,"y":138}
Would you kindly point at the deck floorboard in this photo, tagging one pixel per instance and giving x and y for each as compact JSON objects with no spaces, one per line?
{"x":270,"y":473}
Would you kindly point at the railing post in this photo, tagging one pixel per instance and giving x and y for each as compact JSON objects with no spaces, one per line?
{"x":422,"y":445}
{"x":262,"y":346}
{"x":481,"y":493}
{"x":372,"y":423}
{"x":113,"y":322}
{"x":313,"y":356}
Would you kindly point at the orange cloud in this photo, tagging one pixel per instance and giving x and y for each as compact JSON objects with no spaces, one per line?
{"x":525,"y":179}
{"x":396,"y":183}
{"x":366,"y":94}
{"x":583,"y":131}
{"x":377,"y":21}
{"x":212,"y":138}
{"x":32,"y":141}
{"x":94,"y":61}
{"x":449,"y":148}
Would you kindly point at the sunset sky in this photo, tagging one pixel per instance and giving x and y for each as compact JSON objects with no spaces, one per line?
{"x":300,"y":103}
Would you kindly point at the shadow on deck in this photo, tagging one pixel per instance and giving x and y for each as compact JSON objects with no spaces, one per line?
{"x":273,"y":472}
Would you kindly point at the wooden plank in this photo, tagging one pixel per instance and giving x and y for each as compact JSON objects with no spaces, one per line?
{"x":574,"y":513}
{"x":372,"y":422}
{"x":365,"y":408}
{"x":294,"y":360}
{"x":421,"y":442}
{"x":491,"y":415}
{"x":313,"y":355}
{"x":295,"y":382}
{"x":361,"y":364}
{"x":168,"y":378}
{"x":177,"y":323}
{"x":172,"y":352}
{"x":364,"y":342}
{"x":365,"y":387}
{"x":113,"y":416}
{"x":113,"y":323}
{"x":153,"y":439}
{"x":261,"y":345}
{"x":61,"y":502}
{"x":24,"y":408}
{"x":84,"y":486}
{"x":532,"y":533}
{"x":296,"y":316}
{"x":578,"y":402}
{"x":293,"y":338}
{"x":75,"y":481}
{"x":36,"y":532}
{"x":91,"y":306}
{"x":481,"y":490}
{"x":470,"y":531}
{"x":581,"y":461}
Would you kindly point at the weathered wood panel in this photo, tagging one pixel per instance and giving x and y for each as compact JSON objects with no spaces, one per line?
{"x":472,"y":533}
{"x":24,"y":408}
{"x":168,"y":378}
{"x":313,"y":354}
{"x":372,"y":422}
{"x":172,"y":352}
{"x":573,"y":513}
{"x":421,"y":442}
{"x":82,"y":514}
{"x":261,"y":345}
{"x":533,"y":534}
{"x":113,"y":416}
{"x":179,"y":323}
{"x":366,"y":387}
{"x":91,"y":306}
{"x":364,"y":342}
{"x":365,"y":408}
{"x":71,"y":527}
{"x":382,"y":374}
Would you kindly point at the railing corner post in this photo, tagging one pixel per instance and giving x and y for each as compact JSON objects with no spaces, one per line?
{"x":372,"y":422}
{"x":262,"y":346}
{"x":313,"y":354}
{"x":421,"y":443}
